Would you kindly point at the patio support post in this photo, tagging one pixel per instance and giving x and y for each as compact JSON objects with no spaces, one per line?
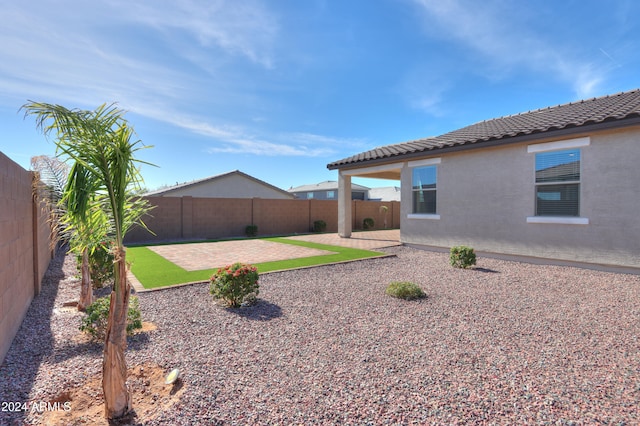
{"x":344,"y":205}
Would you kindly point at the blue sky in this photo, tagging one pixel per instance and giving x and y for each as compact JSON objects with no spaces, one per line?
{"x":280,"y":88}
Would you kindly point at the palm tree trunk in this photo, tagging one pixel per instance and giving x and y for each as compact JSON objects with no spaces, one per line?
{"x":86,"y":291}
{"x":117,"y":399}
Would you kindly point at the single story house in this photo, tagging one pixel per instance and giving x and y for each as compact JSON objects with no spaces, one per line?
{"x":556,"y":184}
{"x":328,"y":190}
{"x":235,"y":184}
{"x":385,"y":193}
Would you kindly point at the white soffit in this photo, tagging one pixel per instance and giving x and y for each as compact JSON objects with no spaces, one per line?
{"x":425,"y":162}
{"x":372,"y":169}
{"x":565,"y":144}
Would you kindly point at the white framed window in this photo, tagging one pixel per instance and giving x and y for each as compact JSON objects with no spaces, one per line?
{"x":331,"y":194}
{"x":424,"y":190}
{"x":558,"y":181}
{"x":309,"y":195}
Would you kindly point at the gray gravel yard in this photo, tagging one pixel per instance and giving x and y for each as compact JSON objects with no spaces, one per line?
{"x":507,"y":343}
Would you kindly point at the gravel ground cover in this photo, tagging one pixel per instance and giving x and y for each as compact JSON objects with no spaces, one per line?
{"x":505,"y":343}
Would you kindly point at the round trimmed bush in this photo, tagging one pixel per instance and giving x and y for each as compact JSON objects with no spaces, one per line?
{"x":233,"y":283}
{"x":462,"y":257}
{"x":319,"y":226}
{"x":251,"y":230}
{"x":405,"y":290}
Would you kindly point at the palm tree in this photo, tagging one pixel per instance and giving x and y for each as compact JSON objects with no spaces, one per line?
{"x":100,"y":143}
{"x":69,"y":223}
{"x":89,"y":227}
{"x":52,"y":175}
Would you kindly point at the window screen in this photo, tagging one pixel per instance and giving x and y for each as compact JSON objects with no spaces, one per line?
{"x":558,"y":183}
{"x":424,"y":190}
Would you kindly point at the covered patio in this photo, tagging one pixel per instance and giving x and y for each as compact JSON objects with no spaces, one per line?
{"x":382,"y":171}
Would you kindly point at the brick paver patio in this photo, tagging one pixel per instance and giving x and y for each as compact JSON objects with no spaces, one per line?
{"x":198,"y":256}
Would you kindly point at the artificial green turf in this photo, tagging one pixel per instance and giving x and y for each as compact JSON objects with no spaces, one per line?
{"x":153,"y":270}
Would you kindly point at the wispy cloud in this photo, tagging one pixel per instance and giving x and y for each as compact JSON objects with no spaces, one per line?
{"x":424,"y":90}
{"x":260,"y":147}
{"x":311,"y":139}
{"x":239,"y":140}
{"x":47,"y":55}
{"x":290,"y":144}
{"x":244,"y":28}
{"x":54,"y":57}
{"x":500,"y":33}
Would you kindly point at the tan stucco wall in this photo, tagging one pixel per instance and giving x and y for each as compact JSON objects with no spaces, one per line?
{"x":230,"y":186}
{"x":484,"y":197}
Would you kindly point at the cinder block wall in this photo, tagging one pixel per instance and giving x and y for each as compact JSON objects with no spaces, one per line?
{"x":281,"y":216}
{"x":361,"y":210}
{"x":220,"y":217}
{"x":189,"y":218}
{"x":25,"y":249}
{"x":326,"y":210}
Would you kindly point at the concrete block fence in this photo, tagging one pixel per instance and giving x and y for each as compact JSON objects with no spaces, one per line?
{"x":25,"y":247}
{"x":189,"y":218}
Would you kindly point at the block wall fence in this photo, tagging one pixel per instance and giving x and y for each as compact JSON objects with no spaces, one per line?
{"x":25,"y":247}
{"x":189,"y":218}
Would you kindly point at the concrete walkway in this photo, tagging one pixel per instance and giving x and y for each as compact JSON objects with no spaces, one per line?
{"x":199,"y":256}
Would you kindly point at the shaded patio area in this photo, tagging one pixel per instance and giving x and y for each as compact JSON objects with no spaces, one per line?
{"x":366,"y":240}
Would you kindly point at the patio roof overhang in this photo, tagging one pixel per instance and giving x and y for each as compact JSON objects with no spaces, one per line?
{"x":381,"y":171}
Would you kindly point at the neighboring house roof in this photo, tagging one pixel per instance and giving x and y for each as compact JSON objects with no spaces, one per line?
{"x":199,"y":182}
{"x":610,"y":111}
{"x":562,"y":172}
{"x":329,"y":185}
{"x":385,"y":193}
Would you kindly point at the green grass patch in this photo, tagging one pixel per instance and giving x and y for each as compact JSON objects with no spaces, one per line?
{"x":154,"y":271}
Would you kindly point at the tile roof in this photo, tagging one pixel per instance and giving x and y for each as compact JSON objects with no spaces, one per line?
{"x":607,"y":109}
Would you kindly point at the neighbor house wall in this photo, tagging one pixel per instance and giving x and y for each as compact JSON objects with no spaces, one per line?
{"x":190,"y":218}
{"x":484,"y":197}
{"x":25,"y":248}
{"x":228,"y":186}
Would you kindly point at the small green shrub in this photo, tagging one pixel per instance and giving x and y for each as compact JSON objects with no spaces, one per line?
{"x":368,"y":223}
{"x":251,"y":230}
{"x":404,"y":290}
{"x":319,"y":226}
{"x":97,"y":315}
{"x":100,"y":265}
{"x":462,"y":257}
{"x":233,"y":283}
